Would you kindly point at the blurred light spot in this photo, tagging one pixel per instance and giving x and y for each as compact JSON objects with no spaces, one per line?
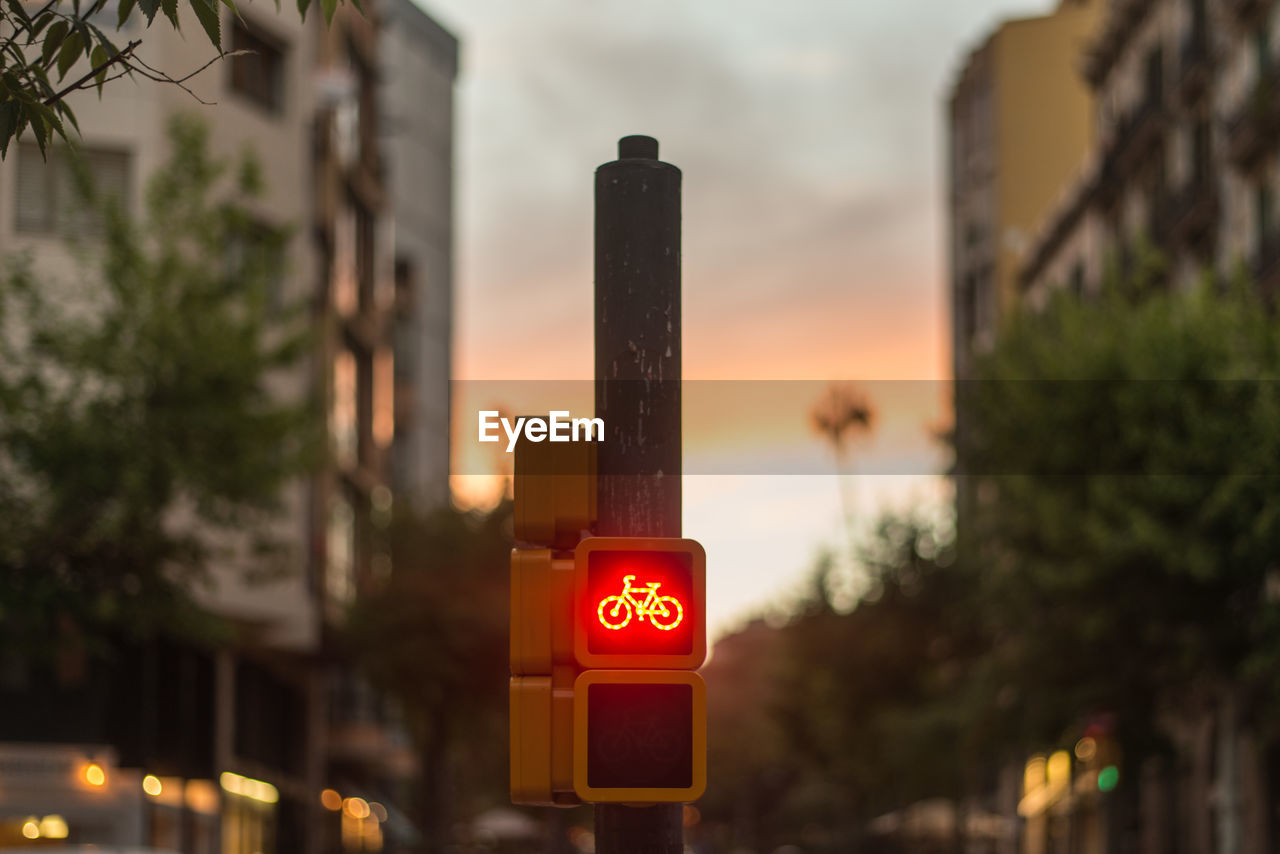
{"x":30,"y":829}
{"x":52,"y":827}
{"x":202,"y":797}
{"x":247,"y":787}
{"x":151,"y":785}
{"x":691,"y":816}
{"x":1108,"y":778}
{"x":1059,"y":769}
{"x":379,"y":811}
{"x":1086,"y":749}
{"x":331,"y":800}
{"x":94,"y":775}
{"x":1033,"y":775}
{"x":356,"y":807}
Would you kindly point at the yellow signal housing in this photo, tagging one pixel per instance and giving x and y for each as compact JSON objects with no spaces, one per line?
{"x":555,"y":492}
{"x":639,"y":736}
{"x":541,"y":611}
{"x":541,"y":719}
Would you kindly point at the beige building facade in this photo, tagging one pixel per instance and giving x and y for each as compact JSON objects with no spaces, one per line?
{"x":1020,"y":125}
{"x":275,"y":718}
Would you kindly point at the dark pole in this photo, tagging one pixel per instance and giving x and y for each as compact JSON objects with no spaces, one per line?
{"x":637,"y":391}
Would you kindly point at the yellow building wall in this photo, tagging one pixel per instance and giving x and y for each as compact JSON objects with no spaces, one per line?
{"x":1044,"y":126}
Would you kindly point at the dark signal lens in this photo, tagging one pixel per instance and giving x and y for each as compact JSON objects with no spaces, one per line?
{"x":639,"y":602}
{"x":639,"y":736}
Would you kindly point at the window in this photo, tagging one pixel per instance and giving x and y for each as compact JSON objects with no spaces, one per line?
{"x":1262,"y":214}
{"x":1201,"y":142}
{"x":1155,"y":76}
{"x":1262,"y":48}
{"x":257,"y":74}
{"x":258,"y":251}
{"x":48,"y":201}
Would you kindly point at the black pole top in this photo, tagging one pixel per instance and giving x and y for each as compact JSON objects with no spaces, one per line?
{"x":637,"y":147}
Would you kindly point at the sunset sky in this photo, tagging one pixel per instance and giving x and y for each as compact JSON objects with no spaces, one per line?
{"x":811,"y":140}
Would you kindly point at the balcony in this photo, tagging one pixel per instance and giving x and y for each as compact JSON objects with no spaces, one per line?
{"x":1123,"y":21}
{"x":1245,"y":12}
{"x":1195,"y":67}
{"x":1186,"y":216}
{"x":1254,"y":124}
{"x":1134,"y":137}
{"x":1266,"y":267}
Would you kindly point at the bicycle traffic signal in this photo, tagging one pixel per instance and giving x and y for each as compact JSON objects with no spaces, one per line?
{"x":640,"y":602}
{"x":639,"y":736}
{"x":639,"y":723}
{"x":633,"y":730}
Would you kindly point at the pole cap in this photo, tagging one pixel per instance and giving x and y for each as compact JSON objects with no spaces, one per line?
{"x":637,"y":147}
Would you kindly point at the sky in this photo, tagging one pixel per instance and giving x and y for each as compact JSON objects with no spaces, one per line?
{"x":810,"y":136}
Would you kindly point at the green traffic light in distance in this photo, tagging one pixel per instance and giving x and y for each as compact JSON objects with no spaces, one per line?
{"x":1108,"y":778}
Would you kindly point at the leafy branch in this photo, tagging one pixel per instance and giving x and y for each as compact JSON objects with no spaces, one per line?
{"x":33,"y":45}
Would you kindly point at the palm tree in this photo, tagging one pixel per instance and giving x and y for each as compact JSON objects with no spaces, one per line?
{"x":840,"y":416}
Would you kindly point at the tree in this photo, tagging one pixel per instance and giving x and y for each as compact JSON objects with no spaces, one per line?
{"x":874,"y":700}
{"x":1125,"y":450}
{"x":434,"y":637}
{"x":139,"y":438}
{"x":35,"y":43}
{"x":842,"y":414}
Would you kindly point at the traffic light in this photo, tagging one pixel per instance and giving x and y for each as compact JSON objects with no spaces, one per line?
{"x":639,"y":722}
{"x":640,"y":603}
{"x":604,"y":704}
{"x":640,"y":736}
{"x":554,"y":502}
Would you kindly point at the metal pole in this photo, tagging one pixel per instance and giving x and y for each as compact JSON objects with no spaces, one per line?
{"x":637,"y":393}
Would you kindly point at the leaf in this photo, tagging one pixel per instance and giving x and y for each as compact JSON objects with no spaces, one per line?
{"x":123,"y":13}
{"x":97,"y":58}
{"x":170,"y":8}
{"x":52,"y":41}
{"x":9,"y":112}
{"x":231,"y":4}
{"x":72,"y":47}
{"x":16,"y":7}
{"x":39,"y":129}
{"x":42,"y":22}
{"x":207,"y":13}
{"x":359,"y":4}
{"x":149,"y":8}
{"x":329,"y":6}
{"x":66,"y":113}
{"x":303,"y":5}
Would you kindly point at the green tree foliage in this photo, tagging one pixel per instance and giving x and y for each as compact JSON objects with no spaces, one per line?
{"x":139,"y":438}
{"x":56,"y":36}
{"x":1126,"y":521}
{"x":836,"y":717}
{"x":434,"y":636}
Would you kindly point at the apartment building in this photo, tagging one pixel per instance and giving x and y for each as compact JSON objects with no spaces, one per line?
{"x":270,"y":742}
{"x":419,"y":63}
{"x":1180,"y":180}
{"x":1020,"y":122}
{"x":1185,"y":169}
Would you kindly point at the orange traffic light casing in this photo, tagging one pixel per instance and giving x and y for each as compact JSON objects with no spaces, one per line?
{"x":541,"y":611}
{"x":555,"y":496}
{"x":640,"y":736}
{"x":541,"y":718}
{"x":639,"y":602}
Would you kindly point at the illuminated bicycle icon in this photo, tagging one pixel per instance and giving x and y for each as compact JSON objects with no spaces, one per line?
{"x":664,"y":612}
